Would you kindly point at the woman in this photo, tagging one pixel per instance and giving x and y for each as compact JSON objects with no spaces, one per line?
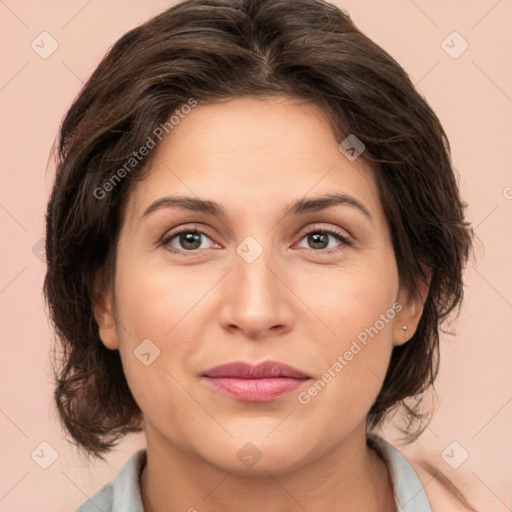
{"x":253,"y":237}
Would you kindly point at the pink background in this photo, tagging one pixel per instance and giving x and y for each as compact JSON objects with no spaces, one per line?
{"x":472,"y":95}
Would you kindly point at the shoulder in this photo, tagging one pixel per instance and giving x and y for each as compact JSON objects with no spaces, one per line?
{"x":442,"y":493}
{"x":102,"y":500}
{"x":416,"y":478}
{"x":123,"y":493}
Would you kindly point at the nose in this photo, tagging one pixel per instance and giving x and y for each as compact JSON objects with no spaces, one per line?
{"x":257,"y":300}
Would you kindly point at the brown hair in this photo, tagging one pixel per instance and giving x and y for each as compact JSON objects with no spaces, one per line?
{"x":214,"y":50}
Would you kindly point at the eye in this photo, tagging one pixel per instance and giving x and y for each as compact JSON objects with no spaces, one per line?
{"x":188,"y":240}
{"x":319,"y":240}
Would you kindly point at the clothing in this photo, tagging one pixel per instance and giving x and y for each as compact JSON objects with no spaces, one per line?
{"x":123,"y":493}
{"x":409,"y":493}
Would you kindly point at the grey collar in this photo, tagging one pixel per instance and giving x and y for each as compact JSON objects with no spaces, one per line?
{"x":124,"y":492}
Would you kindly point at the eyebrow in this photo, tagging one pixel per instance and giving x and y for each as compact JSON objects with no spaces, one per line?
{"x":301,"y":206}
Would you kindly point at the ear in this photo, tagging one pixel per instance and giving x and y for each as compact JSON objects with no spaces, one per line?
{"x":103,"y":311}
{"x":408,"y":318}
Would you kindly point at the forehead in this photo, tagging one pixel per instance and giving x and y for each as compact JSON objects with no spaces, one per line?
{"x":253,"y":155}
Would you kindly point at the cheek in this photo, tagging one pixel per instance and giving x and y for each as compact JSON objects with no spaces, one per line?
{"x":159,"y":328}
{"x":153,"y":300}
{"x":354,"y":368}
{"x":358,"y":305}
{"x":349,"y":300}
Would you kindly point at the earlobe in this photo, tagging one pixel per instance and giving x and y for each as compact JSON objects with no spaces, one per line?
{"x":103,"y":310}
{"x":412,"y":304}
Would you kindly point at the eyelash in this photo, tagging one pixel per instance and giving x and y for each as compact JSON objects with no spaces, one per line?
{"x":339,"y":235}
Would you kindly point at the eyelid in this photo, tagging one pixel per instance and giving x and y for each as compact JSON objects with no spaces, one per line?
{"x":343,"y":237}
{"x":187,"y":227}
{"x":325,"y":229}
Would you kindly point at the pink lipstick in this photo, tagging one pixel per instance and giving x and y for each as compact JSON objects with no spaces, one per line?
{"x":255,"y":383}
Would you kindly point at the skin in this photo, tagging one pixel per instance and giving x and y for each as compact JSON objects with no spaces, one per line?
{"x":254,"y":156}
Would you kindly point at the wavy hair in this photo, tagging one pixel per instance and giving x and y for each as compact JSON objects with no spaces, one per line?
{"x":215,"y":50}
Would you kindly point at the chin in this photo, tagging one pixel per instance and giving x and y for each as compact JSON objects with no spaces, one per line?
{"x":257,"y":456}
{"x":275,"y":464}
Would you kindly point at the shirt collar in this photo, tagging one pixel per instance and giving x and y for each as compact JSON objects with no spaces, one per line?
{"x":408,"y":490}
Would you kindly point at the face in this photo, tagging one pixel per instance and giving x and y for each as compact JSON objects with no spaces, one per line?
{"x":315,"y":288}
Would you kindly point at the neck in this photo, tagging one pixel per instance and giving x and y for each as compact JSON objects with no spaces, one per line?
{"x":351,"y":476}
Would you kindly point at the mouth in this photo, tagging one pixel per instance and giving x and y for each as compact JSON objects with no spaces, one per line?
{"x":263,"y":382}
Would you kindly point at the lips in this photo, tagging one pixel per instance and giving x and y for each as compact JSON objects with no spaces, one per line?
{"x":243,"y":370}
{"x":266,"y":381}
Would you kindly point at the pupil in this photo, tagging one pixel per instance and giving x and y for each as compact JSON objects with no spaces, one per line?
{"x":319,"y":238}
{"x":193,"y":238}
